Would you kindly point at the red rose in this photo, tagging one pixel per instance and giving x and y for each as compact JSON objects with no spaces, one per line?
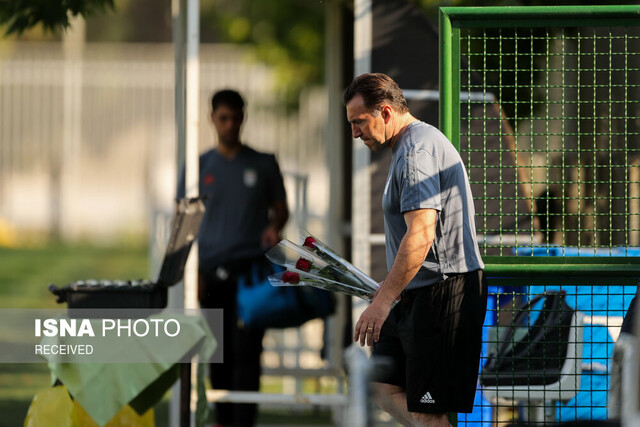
{"x":290,"y":277}
{"x":309,"y":242}
{"x":303,"y":264}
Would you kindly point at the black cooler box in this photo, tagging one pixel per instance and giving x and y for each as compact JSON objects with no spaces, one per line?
{"x":141,"y":293}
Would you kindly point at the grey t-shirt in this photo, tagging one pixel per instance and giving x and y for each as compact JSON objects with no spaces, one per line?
{"x":239,"y":193}
{"x":427,"y":172}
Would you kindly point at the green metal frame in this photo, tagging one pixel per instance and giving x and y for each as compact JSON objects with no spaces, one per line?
{"x":449,"y":79}
{"x":452,"y":19}
{"x":513,"y":269}
{"x":540,"y":16}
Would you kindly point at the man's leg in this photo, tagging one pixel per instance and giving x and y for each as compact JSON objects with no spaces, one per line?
{"x":430,"y":420}
{"x":246,"y":373}
{"x":392,"y":399}
{"x":221,"y":295}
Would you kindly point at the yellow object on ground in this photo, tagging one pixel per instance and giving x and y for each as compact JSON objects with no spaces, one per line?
{"x":7,"y":234}
{"x":54,"y":407}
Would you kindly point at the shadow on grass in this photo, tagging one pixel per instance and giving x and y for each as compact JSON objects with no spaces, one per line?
{"x":24,"y":368}
{"x":271,"y":417}
{"x":13,"y":411}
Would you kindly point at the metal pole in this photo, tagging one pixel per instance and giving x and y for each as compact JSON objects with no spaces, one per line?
{"x":186,"y":36}
{"x":361,"y":187}
{"x":191,"y":181}
{"x":178,"y":8}
{"x":185,"y":395}
{"x":192,"y":132}
{"x":335,"y":161}
{"x":359,"y":409}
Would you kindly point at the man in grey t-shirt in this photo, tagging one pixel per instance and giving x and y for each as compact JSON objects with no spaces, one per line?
{"x":426,"y":172}
{"x":433,"y":335}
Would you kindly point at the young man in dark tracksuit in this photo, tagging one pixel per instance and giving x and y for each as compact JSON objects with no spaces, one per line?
{"x":245,"y":211}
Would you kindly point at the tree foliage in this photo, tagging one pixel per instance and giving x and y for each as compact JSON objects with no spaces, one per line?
{"x":22,"y":15}
{"x":287,"y":34}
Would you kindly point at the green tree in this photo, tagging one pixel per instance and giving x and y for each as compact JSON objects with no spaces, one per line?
{"x":287,"y":34}
{"x":21,"y":15}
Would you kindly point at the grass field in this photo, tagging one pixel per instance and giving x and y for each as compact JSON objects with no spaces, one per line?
{"x":25,"y":274}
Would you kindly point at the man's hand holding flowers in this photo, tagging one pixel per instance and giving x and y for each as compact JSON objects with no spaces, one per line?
{"x":367,"y":329}
{"x":411,"y":254}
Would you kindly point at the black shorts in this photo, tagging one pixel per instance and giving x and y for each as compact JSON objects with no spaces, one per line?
{"x":431,"y":342}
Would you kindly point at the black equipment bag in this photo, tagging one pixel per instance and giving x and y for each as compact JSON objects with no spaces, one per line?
{"x":128,"y":294}
{"x":532,"y":351}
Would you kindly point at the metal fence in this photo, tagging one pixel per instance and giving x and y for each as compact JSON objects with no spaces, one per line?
{"x":553,"y":154}
{"x":87,"y":136}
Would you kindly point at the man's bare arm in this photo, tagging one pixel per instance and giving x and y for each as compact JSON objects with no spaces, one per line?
{"x":413,"y":249}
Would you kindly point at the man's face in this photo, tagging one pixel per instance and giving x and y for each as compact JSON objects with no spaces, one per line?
{"x":227,"y":122}
{"x":366,"y":125}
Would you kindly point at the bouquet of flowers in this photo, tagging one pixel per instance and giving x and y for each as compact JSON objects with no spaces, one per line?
{"x":315,"y":264}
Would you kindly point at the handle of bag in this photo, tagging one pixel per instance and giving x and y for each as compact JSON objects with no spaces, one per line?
{"x":523,"y":310}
